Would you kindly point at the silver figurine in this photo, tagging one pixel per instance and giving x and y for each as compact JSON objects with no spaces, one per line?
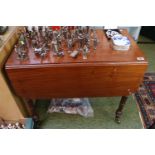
{"x":21,"y":53}
{"x":85,"y":52}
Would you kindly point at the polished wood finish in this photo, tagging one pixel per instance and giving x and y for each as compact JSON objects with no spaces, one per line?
{"x":105,"y":73}
{"x":76,"y":81}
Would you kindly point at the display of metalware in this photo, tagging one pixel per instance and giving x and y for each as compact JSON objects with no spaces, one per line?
{"x":7,"y":125}
{"x":56,"y":39}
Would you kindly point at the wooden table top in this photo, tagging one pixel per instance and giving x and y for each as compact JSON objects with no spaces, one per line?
{"x":103,"y":54}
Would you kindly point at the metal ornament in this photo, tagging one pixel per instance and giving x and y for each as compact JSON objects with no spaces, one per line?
{"x":16,"y":125}
{"x":74,"y":54}
{"x":57,"y":51}
{"x":85,"y":52}
{"x":95,"y":43}
{"x":21,"y":53}
{"x":80,"y":38}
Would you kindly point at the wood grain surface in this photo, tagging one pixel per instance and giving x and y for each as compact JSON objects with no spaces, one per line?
{"x":105,"y":73}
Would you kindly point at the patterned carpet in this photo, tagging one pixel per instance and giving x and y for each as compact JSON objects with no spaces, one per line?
{"x":145,"y":97}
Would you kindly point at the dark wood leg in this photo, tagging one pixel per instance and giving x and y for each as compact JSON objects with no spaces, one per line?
{"x":120,"y":108}
{"x":31,"y":108}
{"x":29,"y":104}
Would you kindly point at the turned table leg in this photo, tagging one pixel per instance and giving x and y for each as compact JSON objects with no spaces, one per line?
{"x":120,"y":108}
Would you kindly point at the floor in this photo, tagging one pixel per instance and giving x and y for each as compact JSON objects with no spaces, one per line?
{"x":104,"y":108}
{"x":149,"y":50}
